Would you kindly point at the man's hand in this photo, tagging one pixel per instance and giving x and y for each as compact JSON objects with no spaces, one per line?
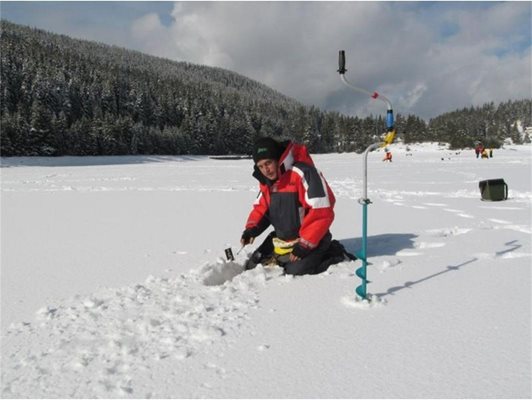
{"x":246,"y":238}
{"x":294,"y":258}
{"x":299,"y":252}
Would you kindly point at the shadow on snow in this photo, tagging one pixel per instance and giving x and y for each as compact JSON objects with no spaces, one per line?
{"x":381,"y":245}
{"x":409,"y":284}
{"x":513,"y":245}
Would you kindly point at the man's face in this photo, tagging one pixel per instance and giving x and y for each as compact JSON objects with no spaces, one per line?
{"x":268,"y":168}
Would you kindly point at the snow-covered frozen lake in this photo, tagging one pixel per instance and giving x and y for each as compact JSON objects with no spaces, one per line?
{"x":113,"y":282}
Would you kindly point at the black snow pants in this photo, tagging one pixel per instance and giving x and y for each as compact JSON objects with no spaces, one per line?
{"x":316,"y":262}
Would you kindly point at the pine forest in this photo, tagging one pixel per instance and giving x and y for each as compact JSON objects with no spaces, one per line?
{"x":61,"y":96}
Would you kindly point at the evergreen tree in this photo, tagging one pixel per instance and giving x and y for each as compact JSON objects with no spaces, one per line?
{"x":60,"y":96}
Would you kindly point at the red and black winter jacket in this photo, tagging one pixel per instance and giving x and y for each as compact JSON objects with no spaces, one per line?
{"x":299,"y":204}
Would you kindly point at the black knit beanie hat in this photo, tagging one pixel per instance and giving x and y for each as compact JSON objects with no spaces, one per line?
{"x":267,"y":148}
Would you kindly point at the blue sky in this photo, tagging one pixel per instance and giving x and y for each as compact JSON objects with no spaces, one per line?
{"x":427,"y":57}
{"x":86,"y":13}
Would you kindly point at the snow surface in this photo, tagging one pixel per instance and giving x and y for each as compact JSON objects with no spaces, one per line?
{"x":113,"y":282}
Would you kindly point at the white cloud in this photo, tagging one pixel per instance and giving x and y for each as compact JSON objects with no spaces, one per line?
{"x":411,"y":98}
{"x":393,"y":48}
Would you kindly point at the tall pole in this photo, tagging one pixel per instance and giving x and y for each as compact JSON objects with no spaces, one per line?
{"x":361,"y":272}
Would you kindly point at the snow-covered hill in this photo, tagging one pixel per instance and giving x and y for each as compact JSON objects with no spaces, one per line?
{"x":114,"y":283}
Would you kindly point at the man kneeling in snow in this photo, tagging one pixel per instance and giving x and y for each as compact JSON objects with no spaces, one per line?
{"x":295,"y":198}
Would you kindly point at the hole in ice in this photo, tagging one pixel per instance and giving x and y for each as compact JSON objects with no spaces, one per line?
{"x":218,"y":274}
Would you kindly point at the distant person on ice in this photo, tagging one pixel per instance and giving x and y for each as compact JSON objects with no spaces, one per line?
{"x":479,"y":148}
{"x":295,"y":198}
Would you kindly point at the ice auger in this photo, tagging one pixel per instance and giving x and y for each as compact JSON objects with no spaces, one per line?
{"x":364,"y":201}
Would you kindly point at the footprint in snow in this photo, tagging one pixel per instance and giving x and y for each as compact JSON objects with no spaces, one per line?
{"x":463,"y":215}
{"x":508,"y":255}
{"x":460,"y":213}
{"x":387,"y":264}
{"x":517,"y":228}
{"x":408,"y":253}
{"x":499,"y":221}
{"x":445,"y":232}
{"x":513,"y":254}
{"x":427,"y":245}
{"x":353,"y":301}
{"x":492,"y":207}
{"x":435,"y":204}
{"x":99,"y":338}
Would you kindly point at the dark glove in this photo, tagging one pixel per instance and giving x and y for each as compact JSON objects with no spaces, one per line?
{"x":247,"y":237}
{"x":300,"y":251}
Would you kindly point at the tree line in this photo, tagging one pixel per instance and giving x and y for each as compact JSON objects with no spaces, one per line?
{"x":61,"y":96}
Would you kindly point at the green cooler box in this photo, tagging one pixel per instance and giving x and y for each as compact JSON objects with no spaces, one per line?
{"x":493,"y":189}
